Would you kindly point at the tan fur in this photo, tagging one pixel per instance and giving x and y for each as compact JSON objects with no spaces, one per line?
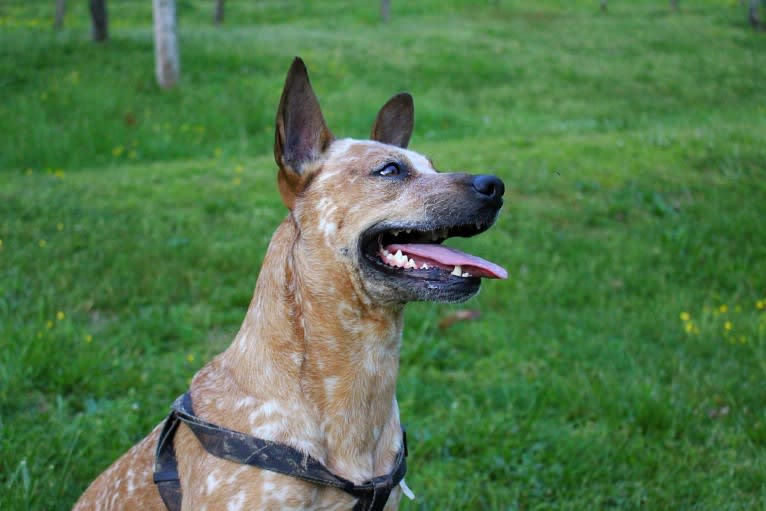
{"x":315,"y":362}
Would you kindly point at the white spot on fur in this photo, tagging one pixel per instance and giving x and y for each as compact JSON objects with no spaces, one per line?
{"x":420,"y":162}
{"x":330,"y":386}
{"x":267,"y":409}
{"x":342,"y":145}
{"x":212,"y":482}
{"x":235,"y":475}
{"x":237,"y":502}
{"x":131,"y":486}
{"x":328,"y":228}
{"x":245,"y":402}
{"x":325,"y":174}
{"x":326,"y":209}
{"x":266,"y":431}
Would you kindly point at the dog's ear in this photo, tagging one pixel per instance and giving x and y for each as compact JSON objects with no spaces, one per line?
{"x":301,"y":133}
{"x":395,"y":121}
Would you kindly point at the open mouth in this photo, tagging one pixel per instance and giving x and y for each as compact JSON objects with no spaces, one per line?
{"x":417,"y":252}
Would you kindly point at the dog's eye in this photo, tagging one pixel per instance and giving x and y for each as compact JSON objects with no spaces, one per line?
{"x":390,"y":170}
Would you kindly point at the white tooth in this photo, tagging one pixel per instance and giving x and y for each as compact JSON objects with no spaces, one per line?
{"x":466,"y":274}
{"x":458,"y":271}
{"x":395,"y":233}
{"x":410,"y":264}
{"x":478,"y":225}
{"x":408,"y":231}
{"x":424,"y":267}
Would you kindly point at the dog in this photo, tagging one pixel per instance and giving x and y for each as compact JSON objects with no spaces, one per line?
{"x":312,"y":371}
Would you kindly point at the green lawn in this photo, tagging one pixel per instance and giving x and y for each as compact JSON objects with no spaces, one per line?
{"x":623,"y":364}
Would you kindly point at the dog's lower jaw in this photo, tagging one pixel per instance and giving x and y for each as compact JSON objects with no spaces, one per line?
{"x":324,"y":357}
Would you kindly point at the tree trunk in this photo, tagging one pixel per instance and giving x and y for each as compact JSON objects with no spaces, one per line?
{"x":752,"y":14}
{"x":99,"y":20}
{"x":674,"y":5}
{"x":60,"y":12}
{"x":218,"y":17}
{"x":166,"y":59}
{"x":603,"y":5}
{"x":385,"y":10}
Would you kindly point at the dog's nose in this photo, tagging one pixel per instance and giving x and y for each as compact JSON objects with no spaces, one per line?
{"x":490,"y":188}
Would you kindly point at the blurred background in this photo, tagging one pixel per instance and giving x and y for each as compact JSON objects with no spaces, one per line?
{"x":621,"y":366}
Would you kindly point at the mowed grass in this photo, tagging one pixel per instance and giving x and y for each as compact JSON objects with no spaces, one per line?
{"x":623,"y":364}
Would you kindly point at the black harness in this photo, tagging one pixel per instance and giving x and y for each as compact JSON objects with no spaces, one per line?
{"x":264,"y":454}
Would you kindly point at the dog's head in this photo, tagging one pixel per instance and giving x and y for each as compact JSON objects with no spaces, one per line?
{"x":376,"y":210}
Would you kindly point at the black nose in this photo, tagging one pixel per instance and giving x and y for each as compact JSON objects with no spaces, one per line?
{"x":490,"y":188}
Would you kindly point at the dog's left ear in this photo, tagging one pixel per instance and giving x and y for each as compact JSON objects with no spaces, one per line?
{"x":395,"y":121}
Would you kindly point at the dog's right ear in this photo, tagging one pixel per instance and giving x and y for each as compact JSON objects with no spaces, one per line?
{"x":395,"y":121}
{"x":301,"y":132}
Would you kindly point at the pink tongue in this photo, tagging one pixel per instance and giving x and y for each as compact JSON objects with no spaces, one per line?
{"x":450,"y":257}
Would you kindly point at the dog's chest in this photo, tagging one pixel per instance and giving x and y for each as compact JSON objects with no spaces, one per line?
{"x":211,"y":483}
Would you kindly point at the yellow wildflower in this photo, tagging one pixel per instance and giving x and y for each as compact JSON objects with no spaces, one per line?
{"x":190,"y":357}
{"x":727,"y":326}
{"x":49,"y":324}
{"x":88,"y":338}
{"x":41,"y":243}
{"x":760,"y":304}
{"x":60,"y":315}
{"x":59,"y":173}
{"x":117,"y":151}
{"x":723,"y":309}
{"x":685,"y":316}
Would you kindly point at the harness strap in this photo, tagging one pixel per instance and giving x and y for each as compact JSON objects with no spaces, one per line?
{"x":264,"y":454}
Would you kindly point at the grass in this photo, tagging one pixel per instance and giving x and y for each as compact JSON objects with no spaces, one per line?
{"x":621,"y":366}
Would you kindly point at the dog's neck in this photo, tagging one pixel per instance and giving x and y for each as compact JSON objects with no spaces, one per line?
{"x":313,"y":340}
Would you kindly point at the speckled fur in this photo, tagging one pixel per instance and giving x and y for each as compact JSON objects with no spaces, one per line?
{"x":315,"y":362}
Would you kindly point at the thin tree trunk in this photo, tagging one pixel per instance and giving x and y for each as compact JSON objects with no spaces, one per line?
{"x":603,"y":5}
{"x":58,"y":22}
{"x":385,"y":10}
{"x":99,"y":20}
{"x":167,"y":64}
{"x":674,"y":5}
{"x":752,"y":14}
{"x":218,"y":17}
